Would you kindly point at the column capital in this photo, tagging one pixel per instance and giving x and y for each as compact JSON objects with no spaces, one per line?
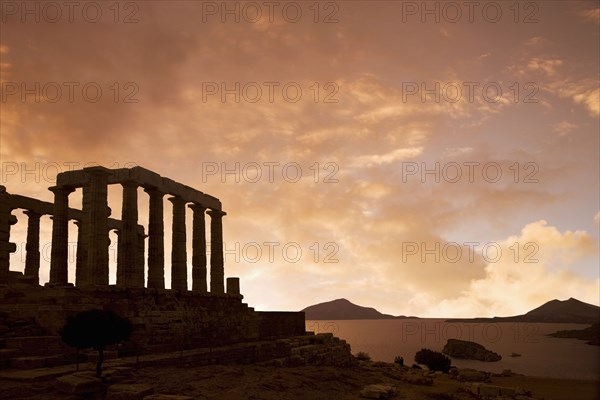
{"x":177,"y":200}
{"x":61,"y":190}
{"x":153,"y":190}
{"x":33,"y":214}
{"x":216,"y":213}
{"x":197,"y":207}
{"x":130,"y":183}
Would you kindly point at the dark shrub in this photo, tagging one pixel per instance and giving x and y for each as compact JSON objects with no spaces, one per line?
{"x":95,"y":329}
{"x":434,"y":360}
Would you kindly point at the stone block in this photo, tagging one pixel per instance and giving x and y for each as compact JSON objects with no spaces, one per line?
{"x":27,"y":362}
{"x":78,"y":384}
{"x":5,"y":354}
{"x":129,"y":392}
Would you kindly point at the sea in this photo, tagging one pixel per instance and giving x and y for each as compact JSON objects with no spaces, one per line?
{"x":538,"y":354}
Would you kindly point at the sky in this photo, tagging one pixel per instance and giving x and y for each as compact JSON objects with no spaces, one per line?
{"x":438,"y":159}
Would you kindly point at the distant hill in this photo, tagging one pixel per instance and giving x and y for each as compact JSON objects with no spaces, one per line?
{"x":555,"y":311}
{"x":343,"y":309}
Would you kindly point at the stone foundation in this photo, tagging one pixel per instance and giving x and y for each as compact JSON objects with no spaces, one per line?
{"x":164,"y":320}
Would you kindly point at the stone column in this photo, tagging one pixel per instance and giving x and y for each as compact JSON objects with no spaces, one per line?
{"x":120,"y":268}
{"x":140,"y":264}
{"x":178,"y":253}
{"x":233,"y":286}
{"x":217,"y":271}
{"x":199,"y":249}
{"x":32,"y":258}
{"x":128,"y":251}
{"x":4,"y":234}
{"x":60,"y":236}
{"x":156,"y":240}
{"x":79,"y":255}
{"x":81,"y":274}
{"x":98,"y":242}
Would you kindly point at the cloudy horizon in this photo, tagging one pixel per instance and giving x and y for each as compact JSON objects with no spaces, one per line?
{"x":445,"y":168}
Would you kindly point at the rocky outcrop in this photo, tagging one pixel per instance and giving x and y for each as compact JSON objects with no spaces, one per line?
{"x":469,"y":350}
{"x":590,"y":334}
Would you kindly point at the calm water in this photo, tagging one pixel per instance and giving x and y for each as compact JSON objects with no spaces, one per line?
{"x":540,"y":355}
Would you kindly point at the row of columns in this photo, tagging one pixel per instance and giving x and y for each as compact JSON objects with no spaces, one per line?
{"x":93,"y":240}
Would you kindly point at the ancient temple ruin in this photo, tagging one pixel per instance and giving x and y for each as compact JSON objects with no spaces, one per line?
{"x":94,"y":225}
{"x":209,"y":313}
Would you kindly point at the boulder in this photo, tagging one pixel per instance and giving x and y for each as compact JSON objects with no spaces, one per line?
{"x":379,"y":391}
{"x":469,"y":350}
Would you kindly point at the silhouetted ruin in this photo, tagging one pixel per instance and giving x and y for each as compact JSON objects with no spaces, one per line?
{"x":164,"y":319}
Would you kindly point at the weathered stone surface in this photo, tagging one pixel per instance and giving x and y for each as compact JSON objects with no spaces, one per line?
{"x":469,"y":350}
{"x":489,"y":391}
{"x":506,"y":391}
{"x":128,"y":392}
{"x":379,"y":391}
{"x":78,"y":384}
{"x":167,"y":397}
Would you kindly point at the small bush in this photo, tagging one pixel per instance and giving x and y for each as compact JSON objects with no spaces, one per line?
{"x":362,"y":356}
{"x":434,"y":360}
{"x":399,"y":360}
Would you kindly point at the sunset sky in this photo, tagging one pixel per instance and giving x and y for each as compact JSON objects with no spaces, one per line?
{"x":344,"y":125}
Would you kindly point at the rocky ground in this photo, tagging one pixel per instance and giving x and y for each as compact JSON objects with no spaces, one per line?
{"x":276,"y":382}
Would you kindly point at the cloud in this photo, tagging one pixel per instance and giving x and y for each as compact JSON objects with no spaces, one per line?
{"x":564,"y":128}
{"x":548,"y":66}
{"x":546,"y":257}
{"x":591,"y":15}
{"x":387,"y":158}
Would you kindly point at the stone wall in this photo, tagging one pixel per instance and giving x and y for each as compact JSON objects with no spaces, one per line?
{"x":164,"y":320}
{"x":279,"y":323}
